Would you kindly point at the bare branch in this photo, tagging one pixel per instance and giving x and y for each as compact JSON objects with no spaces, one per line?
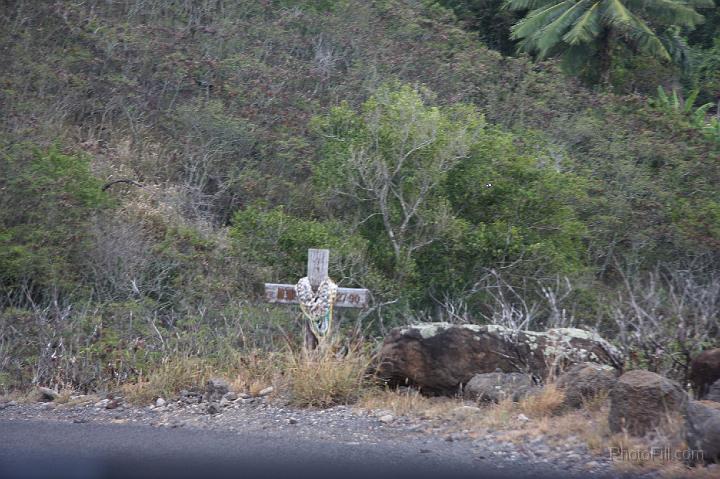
{"x":127,"y":181}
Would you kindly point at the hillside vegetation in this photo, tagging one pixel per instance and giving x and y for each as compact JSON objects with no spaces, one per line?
{"x":453,"y":181}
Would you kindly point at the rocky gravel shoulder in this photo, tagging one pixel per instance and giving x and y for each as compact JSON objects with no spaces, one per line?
{"x":343,"y":424}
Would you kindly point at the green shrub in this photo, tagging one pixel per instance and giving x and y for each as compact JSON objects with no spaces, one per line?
{"x":276,"y":239}
{"x":439,"y":196}
{"x":46,"y":201}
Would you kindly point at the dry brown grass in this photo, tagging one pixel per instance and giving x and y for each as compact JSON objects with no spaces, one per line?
{"x":321,"y":379}
{"x":256,"y":370}
{"x":597,"y":402}
{"x":680,"y":471}
{"x":668,"y":436}
{"x":22,"y":396}
{"x":168,"y":379}
{"x":547,"y":418}
{"x":548,"y":402}
{"x":504,"y":416}
{"x":249,"y":372}
{"x":65,"y":397}
{"x":316,"y":378}
{"x":405,"y":402}
{"x":500,"y":416}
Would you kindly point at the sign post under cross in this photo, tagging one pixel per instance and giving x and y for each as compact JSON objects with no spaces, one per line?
{"x":317,"y":295}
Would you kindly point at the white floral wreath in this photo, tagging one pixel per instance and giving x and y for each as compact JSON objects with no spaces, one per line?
{"x":317,"y":307}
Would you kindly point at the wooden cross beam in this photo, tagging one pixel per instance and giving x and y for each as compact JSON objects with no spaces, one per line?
{"x":317,"y":271}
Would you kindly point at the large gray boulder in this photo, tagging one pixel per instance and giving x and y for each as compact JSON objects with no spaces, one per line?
{"x":495,"y":387}
{"x":704,"y":371}
{"x":586,"y":381}
{"x":640,"y":401}
{"x":440,"y":357}
{"x":702,"y":429}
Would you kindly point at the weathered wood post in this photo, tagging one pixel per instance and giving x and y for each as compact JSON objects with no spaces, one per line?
{"x":317,"y":275}
{"x":317,"y":271}
{"x":317,"y":266}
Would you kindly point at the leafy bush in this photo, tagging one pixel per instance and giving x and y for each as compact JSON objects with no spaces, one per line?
{"x":275,"y":239}
{"x":47,"y":199}
{"x":439,"y":196}
{"x":521,"y":206}
{"x":673,"y":104}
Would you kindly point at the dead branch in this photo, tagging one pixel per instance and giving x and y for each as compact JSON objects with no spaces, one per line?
{"x":114,"y":182}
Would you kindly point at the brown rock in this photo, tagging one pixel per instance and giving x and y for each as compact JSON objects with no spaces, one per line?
{"x":702,"y":429}
{"x":440,"y":357}
{"x":213,"y":408}
{"x":641,"y":400}
{"x":704,"y":371}
{"x":585,"y":381}
{"x":217,"y":386}
{"x":215,"y":389}
{"x":495,"y":387}
{"x":714,"y":392}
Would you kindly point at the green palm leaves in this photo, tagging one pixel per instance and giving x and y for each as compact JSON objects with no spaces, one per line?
{"x":585,"y":27}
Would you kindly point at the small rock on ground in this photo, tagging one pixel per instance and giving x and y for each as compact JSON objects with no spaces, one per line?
{"x":265,"y":392}
{"x":48,"y":394}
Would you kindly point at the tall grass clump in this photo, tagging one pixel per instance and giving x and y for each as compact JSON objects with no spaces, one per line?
{"x":169,"y":378}
{"x":547,"y":402}
{"x":323,"y":378}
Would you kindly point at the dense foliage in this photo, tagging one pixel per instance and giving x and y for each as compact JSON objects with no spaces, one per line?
{"x":586,"y":33}
{"x":46,"y":203}
{"x":451,"y":180}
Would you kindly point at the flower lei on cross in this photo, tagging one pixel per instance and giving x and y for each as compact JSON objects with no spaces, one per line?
{"x":317,"y":307}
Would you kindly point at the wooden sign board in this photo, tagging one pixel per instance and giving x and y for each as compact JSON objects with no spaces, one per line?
{"x":346,"y":297}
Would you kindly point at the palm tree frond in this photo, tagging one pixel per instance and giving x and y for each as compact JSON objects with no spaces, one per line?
{"x":536,"y":20}
{"x":700,"y":114}
{"x":675,"y":100}
{"x":616,"y":14}
{"x":583,"y":28}
{"x":677,"y":47}
{"x":586,"y":28}
{"x":666,"y":12}
{"x":690,"y":101}
{"x":701,"y":3}
{"x":646,"y":40}
{"x":552,"y":33}
{"x":526,"y":4}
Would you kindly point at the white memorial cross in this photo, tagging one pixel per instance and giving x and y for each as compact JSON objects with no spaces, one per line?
{"x":317,"y":272}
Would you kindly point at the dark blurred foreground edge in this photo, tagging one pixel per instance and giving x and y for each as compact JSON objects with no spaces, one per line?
{"x":100,"y":469}
{"x":53,"y":450}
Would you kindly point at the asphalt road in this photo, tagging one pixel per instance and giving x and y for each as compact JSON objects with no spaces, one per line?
{"x":54,"y":450}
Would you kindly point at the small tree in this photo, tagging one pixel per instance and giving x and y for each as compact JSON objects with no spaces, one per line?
{"x":391,"y":159}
